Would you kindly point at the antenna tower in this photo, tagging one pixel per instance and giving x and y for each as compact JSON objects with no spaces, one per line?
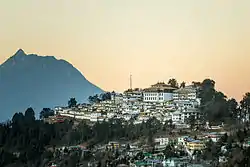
{"x":130,"y":81}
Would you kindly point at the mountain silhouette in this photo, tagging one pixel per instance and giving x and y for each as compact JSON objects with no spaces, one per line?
{"x":39,"y":82}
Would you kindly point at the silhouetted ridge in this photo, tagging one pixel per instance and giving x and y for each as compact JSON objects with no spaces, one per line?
{"x":29,"y":80}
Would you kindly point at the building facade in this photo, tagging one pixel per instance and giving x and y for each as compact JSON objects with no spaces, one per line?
{"x":185,"y":94}
{"x":159,"y":92}
{"x":182,"y":116}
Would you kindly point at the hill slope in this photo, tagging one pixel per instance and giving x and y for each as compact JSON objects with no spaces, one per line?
{"x":39,"y":81}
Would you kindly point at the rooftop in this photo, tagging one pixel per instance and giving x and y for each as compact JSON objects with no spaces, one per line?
{"x":185,"y":90}
{"x":160,"y":87}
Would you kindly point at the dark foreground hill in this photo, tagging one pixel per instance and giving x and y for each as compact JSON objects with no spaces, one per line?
{"x":39,"y":81}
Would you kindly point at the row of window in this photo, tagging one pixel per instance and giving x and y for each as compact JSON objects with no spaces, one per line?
{"x":153,"y":94}
{"x":183,"y":96}
{"x":153,"y":98}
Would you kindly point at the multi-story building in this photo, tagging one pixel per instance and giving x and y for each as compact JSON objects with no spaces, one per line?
{"x":186,"y":98}
{"x":185,"y":94}
{"x":159,"y":92}
{"x":117,"y":98}
{"x":161,"y":141}
{"x":132,"y":95}
{"x":176,"y":116}
{"x":181,"y":116}
{"x":187,"y":104}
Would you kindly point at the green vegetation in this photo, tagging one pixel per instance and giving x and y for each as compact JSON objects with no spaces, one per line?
{"x":115,"y":129}
{"x":231,"y":147}
{"x":99,"y":98}
{"x":215,"y":106}
{"x":28,"y":138}
{"x":173,"y":83}
{"x":72,"y":102}
{"x":46,"y":112}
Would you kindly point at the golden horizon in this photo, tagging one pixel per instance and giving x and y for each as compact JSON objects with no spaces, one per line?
{"x":155,"y":41}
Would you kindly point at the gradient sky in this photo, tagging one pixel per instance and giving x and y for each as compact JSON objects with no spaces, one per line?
{"x":152,"y":39}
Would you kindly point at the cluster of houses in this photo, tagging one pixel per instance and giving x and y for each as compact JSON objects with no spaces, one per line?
{"x":160,"y":100}
{"x":190,"y":143}
{"x":138,"y":105}
{"x":180,"y":143}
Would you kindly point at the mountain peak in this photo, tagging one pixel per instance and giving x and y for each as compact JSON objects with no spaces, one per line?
{"x":20,"y":52}
{"x":30,"y":80}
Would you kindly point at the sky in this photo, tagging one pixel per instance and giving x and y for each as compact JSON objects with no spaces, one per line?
{"x":154,"y":40}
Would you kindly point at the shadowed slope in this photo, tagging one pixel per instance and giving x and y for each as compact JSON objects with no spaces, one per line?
{"x":39,"y":81}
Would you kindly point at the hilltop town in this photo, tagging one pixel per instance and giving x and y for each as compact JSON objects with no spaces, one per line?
{"x":161,"y":101}
{"x":173,"y":128}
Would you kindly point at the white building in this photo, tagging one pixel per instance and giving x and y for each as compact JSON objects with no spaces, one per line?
{"x":176,"y":116}
{"x":159,"y":92}
{"x":117,"y":98}
{"x":181,"y":140}
{"x":185,"y":94}
{"x":181,"y":116}
{"x":94,"y":117}
{"x":187,"y":104}
{"x":162,"y":141}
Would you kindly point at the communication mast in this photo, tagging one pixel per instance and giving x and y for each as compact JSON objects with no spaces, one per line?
{"x":130,"y":82}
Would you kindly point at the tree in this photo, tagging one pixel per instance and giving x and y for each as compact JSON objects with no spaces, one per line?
{"x":224,"y":138}
{"x":170,"y":124}
{"x":106,"y":96}
{"x":72,"y":102}
{"x":240,"y":136}
{"x":128,"y":147}
{"x":233,"y":108}
{"x":28,"y":138}
{"x":95,"y":99}
{"x":196,"y":84}
{"x":17,"y":118}
{"x":191,"y":121}
{"x":217,"y":110}
{"x":173,"y":83}
{"x":150,"y":138}
{"x":29,"y":115}
{"x":6,"y":158}
{"x":183,"y":85}
{"x":207,"y":91}
{"x":245,"y":104}
{"x":214,"y":104}
{"x":91,"y":99}
{"x":169,"y":151}
{"x":46,"y":112}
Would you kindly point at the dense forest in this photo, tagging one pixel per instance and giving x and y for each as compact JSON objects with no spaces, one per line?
{"x":27,"y":138}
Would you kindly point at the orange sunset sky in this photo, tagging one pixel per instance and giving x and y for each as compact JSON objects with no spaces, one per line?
{"x":153,"y":39}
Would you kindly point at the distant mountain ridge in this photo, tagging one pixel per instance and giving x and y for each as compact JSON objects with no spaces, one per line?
{"x":39,"y":81}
